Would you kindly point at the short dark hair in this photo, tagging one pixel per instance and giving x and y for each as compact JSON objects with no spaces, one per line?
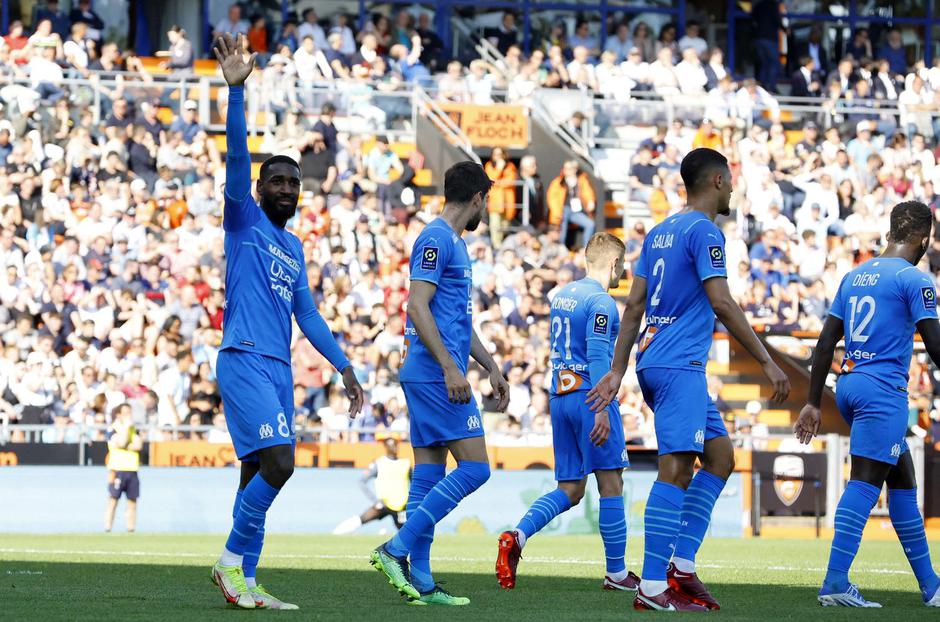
{"x":698,"y":165}
{"x":463,"y":180}
{"x":277,"y":159}
{"x":910,"y":222}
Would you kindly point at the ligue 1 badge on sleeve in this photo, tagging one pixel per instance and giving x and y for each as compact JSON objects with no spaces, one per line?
{"x":929,"y":296}
{"x":717,"y":255}
{"x":429,"y":258}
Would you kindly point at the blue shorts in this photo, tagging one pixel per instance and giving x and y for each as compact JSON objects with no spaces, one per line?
{"x":877,"y":413}
{"x":435,"y":420}
{"x":258,"y":396}
{"x":125,"y":483}
{"x":575,"y":455}
{"x":685,"y":415}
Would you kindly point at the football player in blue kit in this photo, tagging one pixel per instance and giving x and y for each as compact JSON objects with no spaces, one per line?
{"x":680,"y":286}
{"x":439,"y":339}
{"x":265,"y":286}
{"x":584,"y":322}
{"x":878,"y":307}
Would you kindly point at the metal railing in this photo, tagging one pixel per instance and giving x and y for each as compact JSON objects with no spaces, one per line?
{"x":423,"y":104}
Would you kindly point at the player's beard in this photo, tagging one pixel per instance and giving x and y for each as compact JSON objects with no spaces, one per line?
{"x":277,"y":211}
{"x":475,"y":221}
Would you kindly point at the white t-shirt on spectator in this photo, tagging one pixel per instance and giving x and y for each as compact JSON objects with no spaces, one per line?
{"x":692,"y":78}
{"x":41,"y":70}
{"x":312,"y":30}
{"x":481,"y":89}
{"x":77,"y":53}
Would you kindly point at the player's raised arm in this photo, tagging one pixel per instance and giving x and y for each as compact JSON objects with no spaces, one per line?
{"x":419,"y":310}
{"x":236,"y":69}
{"x":730,"y":314}
{"x":482,"y":356}
{"x":807,"y":424}
{"x":605,"y":391}
{"x":315,"y":329}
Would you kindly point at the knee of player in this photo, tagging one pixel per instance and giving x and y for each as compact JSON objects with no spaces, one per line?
{"x":477,"y":472}
{"x":723,"y":467}
{"x":575,"y":496}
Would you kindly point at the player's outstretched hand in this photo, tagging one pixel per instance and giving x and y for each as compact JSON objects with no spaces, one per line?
{"x":353,"y":391}
{"x":778,"y":380}
{"x":601,"y":429}
{"x":605,"y":391}
{"x":807,"y":424}
{"x":501,"y":387}
{"x":235,"y":67}
{"x":458,"y":389}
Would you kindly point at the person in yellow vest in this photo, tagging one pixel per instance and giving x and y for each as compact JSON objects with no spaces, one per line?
{"x":124,"y":445}
{"x":392,"y":477}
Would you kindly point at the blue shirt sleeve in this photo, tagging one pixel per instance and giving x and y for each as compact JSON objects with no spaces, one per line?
{"x":920,"y":295}
{"x":706,"y":247}
{"x":640,"y":269}
{"x":836,"y":309}
{"x":313,"y":325}
{"x":430,"y":256}
{"x":241,"y":211}
{"x":602,"y":314}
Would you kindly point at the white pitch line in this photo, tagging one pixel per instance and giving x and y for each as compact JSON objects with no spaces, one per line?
{"x":537,"y":560}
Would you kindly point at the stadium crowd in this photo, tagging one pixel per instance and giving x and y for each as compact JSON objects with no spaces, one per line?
{"x":111,"y":241}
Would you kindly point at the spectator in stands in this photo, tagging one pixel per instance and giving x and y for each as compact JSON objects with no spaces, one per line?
{"x":805,"y":80}
{"x":187,"y":122}
{"x":379,"y":164}
{"x":309,"y":27}
{"x":581,"y":71}
{"x":884,"y":85}
{"x":180,"y":52}
{"x":860,"y":46}
{"x":582,"y":37}
{"x":325,"y":127}
{"x":690,"y":73}
{"x":59,"y":19}
{"x":767,"y":24}
{"x":532,"y":191}
{"x":667,"y":41}
{"x":432,"y":47}
{"x":506,"y":34}
{"x":707,"y":136}
{"x":715,"y":69}
{"x":258,"y":37}
{"x":620,"y":42}
{"x":232,"y":23}
{"x":15,"y":39}
{"x":643,"y":41}
{"x":637,"y":70}
{"x":452,"y":87}
{"x":480,"y":82}
{"x":408,"y":63}
{"x":693,"y":39}
{"x":502,"y":197}
{"x":83,"y":13}
{"x":318,"y":164}
{"x":571,"y":201}
{"x":752,"y":100}
{"x":367,"y":53}
{"x":893,"y":51}
{"x":844,"y":76}
{"x":46,"y":75}
{"x":76,"y":50}
{"x":663,"y":73}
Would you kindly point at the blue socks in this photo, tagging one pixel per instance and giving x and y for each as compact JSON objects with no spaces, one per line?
{"x":249,"y":519}
{"x":661,"y":526}
{"x":902,"y":506}
{"x":851,"y":517}
{"x":444,"y":497}
{"x":253,"y":551}
{"x":423,"y":479}
{"x":613,"y":524}
{"x":545,"y":508}
{"x":696,"y":513}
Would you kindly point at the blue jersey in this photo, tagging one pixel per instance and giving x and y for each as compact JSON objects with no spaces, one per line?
{"x":879,"y":303}
{"x":678,"y":256}
{"x":264,"y":271}
{"x":440,"y":257}
{"x":584,"y":327}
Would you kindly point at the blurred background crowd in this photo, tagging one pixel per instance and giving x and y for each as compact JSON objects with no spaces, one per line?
{"x":111,"y":252}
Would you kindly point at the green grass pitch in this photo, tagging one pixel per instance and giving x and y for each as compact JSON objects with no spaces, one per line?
{"x":166,"y":577}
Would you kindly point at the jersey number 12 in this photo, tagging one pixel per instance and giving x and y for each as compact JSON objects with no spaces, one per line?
{"x":863,"y":310}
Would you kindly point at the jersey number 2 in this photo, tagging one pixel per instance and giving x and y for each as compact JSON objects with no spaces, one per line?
{"x":659,"y":269}
{"x":863,"y":310}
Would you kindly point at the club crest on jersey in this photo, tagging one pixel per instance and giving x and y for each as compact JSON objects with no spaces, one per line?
{"x":568,"y":381}
{"x":717,"y":255}
{"x":896,"y":450}
{"x":700,"y":437}
{"x":623,"y":455}
{"x":929,"y":297}
{"x":788,"y":474}
{"x":429,"y":257}
{"x":601,"y":321}
{"x":266,"y":431}
{"x":473,"y":422}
